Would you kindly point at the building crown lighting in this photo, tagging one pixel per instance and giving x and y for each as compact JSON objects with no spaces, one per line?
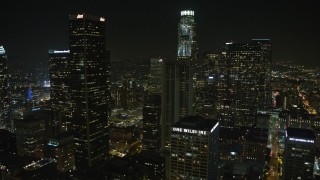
{"x":187,"y":13}
{"x":2,"y":51}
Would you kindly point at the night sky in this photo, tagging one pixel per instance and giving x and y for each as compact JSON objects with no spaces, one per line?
{"x":140,"y":28}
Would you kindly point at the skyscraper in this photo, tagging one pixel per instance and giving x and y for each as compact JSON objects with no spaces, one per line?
{"x":299,"y":154}
{"x":5,"y":122}
{"x":30,"y":134}
{"x":89,"y":75}
{"x":151,"y":122}
{"x":154,"y":84}
{"x":264,"y":74}
{"x":187,"y":43}
{"x":61,"y":148}
{"x":177,"y":100}
{"x":59,"y":95}
{"x":248,"y":82}
{"x":194,"y":145}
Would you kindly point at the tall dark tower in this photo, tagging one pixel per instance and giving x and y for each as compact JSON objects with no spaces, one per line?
{"x":187,"y":43}
{"x":89,"y":74}
{"x":248,"y":76}
{"x":299,"y":154}
{"x":59,"y":95}
{"x":264,"y":74}
{"x":177,"y":101}
{"x":5,"y":121}
{"x":151,"y":122}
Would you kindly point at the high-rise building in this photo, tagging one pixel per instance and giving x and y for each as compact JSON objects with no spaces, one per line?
{"x":177,"y":95}
{"x":187,"y":43}
{"x":151,"y":123}
{"x":194,"y":145}
{"x":154,"y":84}
{"x":210,"y":86}
{"x":5,"y":121}
{"x":89,"y":83}
{"x":59,"y":95}
{"x":264,"y":75}
{"x":153,"y":161}
{"x":255,"y":146}
{"x":248,"y":82}
{"x":177,"y":100}
{"x":30,"y":135}
{"x":61,"y":148}
{"x":299,"y":154}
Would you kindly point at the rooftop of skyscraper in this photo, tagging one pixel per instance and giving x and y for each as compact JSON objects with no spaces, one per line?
{"x":197,"y":122}
{"x":300,"y":133}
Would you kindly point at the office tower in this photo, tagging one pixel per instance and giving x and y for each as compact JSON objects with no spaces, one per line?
{"x":59,"y":95}
{"x":61,"y":148}
{"x":30,"y":134}
{"x":248,"y":77}
{"x":154,"y":84}
{"x":210,"y":87}
{"x":177,"y":100}
{"x":194,"y":144}
{"x":151,"y":123}
{"x":89,"y":75}
{"x":187,"y":43}
{"x":177,"y":96}
{"x":299,"y":154}
{"x":263,"y":74}
{"x":152,"y":161}
{"x":128,"y":95}
{"x":5,"y":122}
{"x":255,"y":144}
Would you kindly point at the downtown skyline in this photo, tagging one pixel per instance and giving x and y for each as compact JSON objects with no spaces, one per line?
{"x":147,"y":29}
{"x":159,"y":90}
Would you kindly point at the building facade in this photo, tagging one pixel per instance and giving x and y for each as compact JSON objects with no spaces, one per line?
{"x":177,"y":100}
{"x":5,"y":120}
{"x":247,"y":91}
{"x":154,"y":84}
{"x":89,"y":75}
{"x":59,"y":91}
{"x":177,"y":95}
{"x":151,"y":123}
{"x":187,"y":43}
{"x":194,"y":144}
{"x":30,"y":136}
{"x":61,"y":148}
{"x":299,"y":154}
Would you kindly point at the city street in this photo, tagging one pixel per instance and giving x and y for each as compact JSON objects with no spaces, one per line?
{"x":273,"y":144}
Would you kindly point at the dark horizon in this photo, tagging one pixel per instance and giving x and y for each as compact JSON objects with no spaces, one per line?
{"x":149,"y":29}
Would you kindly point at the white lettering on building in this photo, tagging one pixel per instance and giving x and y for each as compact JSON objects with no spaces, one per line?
{"x":190,"y":131}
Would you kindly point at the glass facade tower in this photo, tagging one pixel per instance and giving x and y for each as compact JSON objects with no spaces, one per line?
{"x":245,"y":83}
{"x":59,"y":95}
{"x":5,"y":122}
{"x":89,"y":78}
{"x":187,"y":44}
{"x":299,"y":154}
{"x":177,"y":100}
